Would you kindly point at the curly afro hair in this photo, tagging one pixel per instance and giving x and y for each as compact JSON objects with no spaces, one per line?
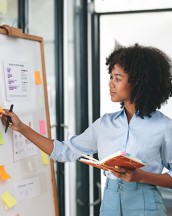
{"x":149,"y":73}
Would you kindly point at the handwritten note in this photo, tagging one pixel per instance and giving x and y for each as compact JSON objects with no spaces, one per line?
{"x":38,"y":80}
{"x":8,"y":199}
{"x":3,"y":174}
{"x":1,"y":139}
{"x":27,"y":188}
{"x":45,"y":159}
{"x":42,"y":128}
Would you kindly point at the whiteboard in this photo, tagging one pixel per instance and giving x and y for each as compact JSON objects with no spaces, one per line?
{"x":23,"y":83}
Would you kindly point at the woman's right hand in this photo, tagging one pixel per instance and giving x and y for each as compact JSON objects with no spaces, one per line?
{"x":1,"y":110}
{"x":15,"y":124}
{"x":42,"y":142}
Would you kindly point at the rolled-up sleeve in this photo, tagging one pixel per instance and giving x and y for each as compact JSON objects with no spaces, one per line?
{"x":76,"y":146}
{"x":167,"y":148}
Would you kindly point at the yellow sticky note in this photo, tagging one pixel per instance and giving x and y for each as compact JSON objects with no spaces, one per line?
{"x":3,"y":174}
{"x":38,"y":78}
{"x":1,"y":139}
{"x":45,"y":160}
{"x":8,"y":199}
{"x":3,"y":6}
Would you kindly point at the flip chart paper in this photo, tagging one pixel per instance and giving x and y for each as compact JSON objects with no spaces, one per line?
{"x":38,"y":80}
{"x":1,"y":139}
{"x":45,"y":159}
{"x":3,"y":174}
{"x":8,"y":199}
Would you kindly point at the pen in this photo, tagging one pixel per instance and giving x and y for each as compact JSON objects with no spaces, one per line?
{"x":8,"y":118}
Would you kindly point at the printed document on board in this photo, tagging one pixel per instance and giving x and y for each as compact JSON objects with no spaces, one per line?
{"x":16,"y":80}
{"x":22,"y":147}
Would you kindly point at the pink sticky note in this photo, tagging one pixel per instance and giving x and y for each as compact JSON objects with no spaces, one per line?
{"x":42,"y":127}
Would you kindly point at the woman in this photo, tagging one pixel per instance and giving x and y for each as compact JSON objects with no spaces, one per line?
{"x":140,"y":79}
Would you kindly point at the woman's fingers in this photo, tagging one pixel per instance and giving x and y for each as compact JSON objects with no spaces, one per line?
{"x":7,"y":112}
{"x":120,"y":169}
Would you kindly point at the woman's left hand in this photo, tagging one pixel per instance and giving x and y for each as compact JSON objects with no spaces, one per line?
{"x":129,"y":175}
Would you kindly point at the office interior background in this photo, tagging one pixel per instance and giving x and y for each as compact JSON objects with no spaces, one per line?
{"x":78,"y":36}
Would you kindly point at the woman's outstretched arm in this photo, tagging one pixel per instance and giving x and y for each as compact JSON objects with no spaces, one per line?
{"x":43,"y":143}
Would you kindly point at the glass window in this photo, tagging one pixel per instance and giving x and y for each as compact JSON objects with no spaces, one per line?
{"x":41,"y":23}
{"x":9,"y":12}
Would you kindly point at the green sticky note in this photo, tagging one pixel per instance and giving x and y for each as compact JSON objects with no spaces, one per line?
{"x":1,"y":139}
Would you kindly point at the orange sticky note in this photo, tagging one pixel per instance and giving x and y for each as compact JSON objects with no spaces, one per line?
{"x":38,"y":80}
{"x":45,"y":160}
{"x":3,"y":174}
{"x":1,"y":109}
{"x":8,"y":199}
{"x":1,"y":139}
{"x":42,"y":128}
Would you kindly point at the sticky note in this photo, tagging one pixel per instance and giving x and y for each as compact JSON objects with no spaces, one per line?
{"x":42,"y":128}
{"x":38,"y":78}
{"x":8,"y":199}
{"x":1,"y":139}
{"x":3,"y":174}
{"x":1,"y":109}
{"x":3,"y":6}
{"x":45,"y":160}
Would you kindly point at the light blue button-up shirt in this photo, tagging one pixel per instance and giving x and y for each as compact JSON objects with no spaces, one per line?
{"x":149,"y":139}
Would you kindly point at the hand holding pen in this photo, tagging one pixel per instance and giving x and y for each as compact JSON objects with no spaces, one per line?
{"x":9,"y":118}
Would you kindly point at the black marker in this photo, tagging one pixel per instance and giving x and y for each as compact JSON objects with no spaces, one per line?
{"x":8,"y":118}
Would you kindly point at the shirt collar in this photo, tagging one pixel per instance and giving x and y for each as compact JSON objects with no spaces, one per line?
{"x":121,"y":112}
{"x":117,"y":114}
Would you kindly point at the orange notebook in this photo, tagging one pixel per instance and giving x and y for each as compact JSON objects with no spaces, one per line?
{"x":121,"y":159}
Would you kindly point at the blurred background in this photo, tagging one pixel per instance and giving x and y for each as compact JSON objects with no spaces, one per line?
{"x":78,"y":36}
